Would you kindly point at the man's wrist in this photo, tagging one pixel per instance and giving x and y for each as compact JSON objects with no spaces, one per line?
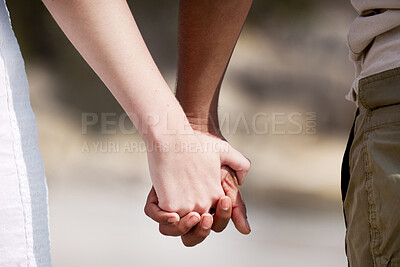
{"x":204,"y":122}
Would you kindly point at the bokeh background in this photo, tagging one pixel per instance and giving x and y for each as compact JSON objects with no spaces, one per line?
{"x":291,"y":57}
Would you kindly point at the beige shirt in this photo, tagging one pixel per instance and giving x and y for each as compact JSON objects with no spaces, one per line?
{"x":374,"y":39}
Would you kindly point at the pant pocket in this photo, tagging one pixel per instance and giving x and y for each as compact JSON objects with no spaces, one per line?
{"x":394,"y":263}
{"x":383,"y":189}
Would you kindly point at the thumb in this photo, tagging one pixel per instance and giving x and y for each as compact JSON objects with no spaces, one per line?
{"x":231,"y":189}
{"x":239,"y":216}
{"x":236,"y":161}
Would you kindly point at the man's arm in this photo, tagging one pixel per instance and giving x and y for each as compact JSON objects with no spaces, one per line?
{"x":208,"y":32}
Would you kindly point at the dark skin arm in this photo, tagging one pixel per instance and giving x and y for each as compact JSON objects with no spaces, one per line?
{"x":208,"y":32}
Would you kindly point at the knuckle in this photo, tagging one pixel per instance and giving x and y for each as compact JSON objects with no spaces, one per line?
{"x":182,"y":210}
{"x":218,"y":229}
{"x":203,"y":206}
{"x":183,"y":229}
{"x":168,"y":206}
{"x":201,"y":235}
{"x":146,"y":210}
{"x":247,"y":165}
{"x":188,"y":243}
{"x":217,"y":197}
{"x":164,"y":231}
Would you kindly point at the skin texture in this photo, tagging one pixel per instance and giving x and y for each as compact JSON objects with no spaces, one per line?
{"x":194,"y":228}
{"x":106,"y":35}
{"x":208,"y":32}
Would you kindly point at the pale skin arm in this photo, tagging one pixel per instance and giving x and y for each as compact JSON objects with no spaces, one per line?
{"x":208,"y":32}
{"x":106,"y":35}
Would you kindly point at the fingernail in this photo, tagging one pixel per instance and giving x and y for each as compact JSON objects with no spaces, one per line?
{"x":206,"y":222}
{"x":173,"y":219}
{"x":193,"y":221}
{"x":225,"y":203}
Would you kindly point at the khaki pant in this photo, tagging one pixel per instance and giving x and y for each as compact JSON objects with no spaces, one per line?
{"x":371,"y":194}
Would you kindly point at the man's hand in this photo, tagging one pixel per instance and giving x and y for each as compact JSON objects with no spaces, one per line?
{"x":194,"y":228}
{"x":231,"y":189}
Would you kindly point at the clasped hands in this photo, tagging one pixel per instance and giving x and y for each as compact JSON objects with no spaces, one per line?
{"x":196,"y":191}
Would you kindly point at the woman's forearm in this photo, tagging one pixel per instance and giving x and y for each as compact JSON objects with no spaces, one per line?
{"x":106,"y":35}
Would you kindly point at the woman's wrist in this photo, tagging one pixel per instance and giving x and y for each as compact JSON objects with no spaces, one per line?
{"x":158,"y":128}
{"x":156,"y":115}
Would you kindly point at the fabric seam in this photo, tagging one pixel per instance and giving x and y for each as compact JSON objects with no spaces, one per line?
{"x":380,"y":125}
{"x":14,"y":133}
{"x":375,"y":234}
{"x":387,"y":74}
{"x":7,"y":83}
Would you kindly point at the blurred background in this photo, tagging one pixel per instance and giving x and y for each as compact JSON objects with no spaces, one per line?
{"x":291,"y":57}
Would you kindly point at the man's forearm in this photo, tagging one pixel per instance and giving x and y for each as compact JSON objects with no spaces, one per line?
{"x":106,"y":35}
{"x":208,"y":32}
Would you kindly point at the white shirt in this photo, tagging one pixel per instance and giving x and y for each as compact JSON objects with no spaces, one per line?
{"x":24,"y":233}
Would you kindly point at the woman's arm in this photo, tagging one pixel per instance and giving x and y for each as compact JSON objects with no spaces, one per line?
{"x":106,"y":35}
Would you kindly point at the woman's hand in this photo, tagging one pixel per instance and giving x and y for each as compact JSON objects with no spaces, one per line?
{"x":186,"y":171}
{"x":194,"y":228}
